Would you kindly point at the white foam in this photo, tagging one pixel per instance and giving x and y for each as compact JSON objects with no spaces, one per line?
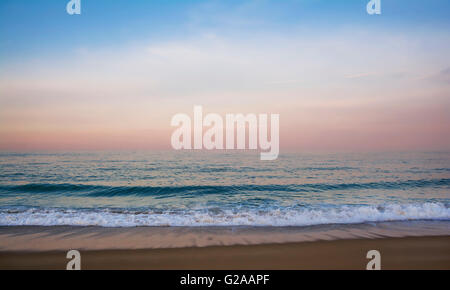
{"x":273,"y":217}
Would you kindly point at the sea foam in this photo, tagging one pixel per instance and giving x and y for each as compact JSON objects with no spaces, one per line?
{"x":224,"y":217}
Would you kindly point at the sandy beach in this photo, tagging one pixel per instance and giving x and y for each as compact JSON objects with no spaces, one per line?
{"x":413,"y":245}
{"x":397,"y":253}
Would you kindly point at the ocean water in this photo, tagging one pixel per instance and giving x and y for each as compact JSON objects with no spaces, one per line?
{"x":185,"y":188}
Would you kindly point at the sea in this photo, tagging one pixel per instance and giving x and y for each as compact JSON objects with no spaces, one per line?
{"x":225,"y":188}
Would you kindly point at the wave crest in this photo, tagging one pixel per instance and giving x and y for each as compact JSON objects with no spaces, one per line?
{"x":221,"y":217}
{"x":169,"y":191}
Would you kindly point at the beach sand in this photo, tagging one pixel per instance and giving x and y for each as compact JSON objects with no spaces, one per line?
{"x":396,"y":253}
{"x":403,"y":245}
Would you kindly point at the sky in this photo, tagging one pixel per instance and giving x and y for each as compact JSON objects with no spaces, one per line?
{"x":113,"y":77}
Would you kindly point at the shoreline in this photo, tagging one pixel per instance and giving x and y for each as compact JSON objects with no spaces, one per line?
{"x":403,"y":245}
{"x":62,"y":238}
{"x":396,"y":253}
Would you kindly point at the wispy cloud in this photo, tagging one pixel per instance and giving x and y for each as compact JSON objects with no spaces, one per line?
{"x":319,"y":82}
{"x":360,"y":75}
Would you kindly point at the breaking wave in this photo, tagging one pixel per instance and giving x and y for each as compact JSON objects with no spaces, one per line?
{"x":289,"y":216}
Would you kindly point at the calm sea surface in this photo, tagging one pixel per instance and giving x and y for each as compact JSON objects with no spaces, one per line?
{"x":125,"y":189}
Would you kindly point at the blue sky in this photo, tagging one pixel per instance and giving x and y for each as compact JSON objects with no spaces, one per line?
{"x":29,"y":28}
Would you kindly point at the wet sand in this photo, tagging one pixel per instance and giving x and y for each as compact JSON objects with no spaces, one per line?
{"x":396,"y":253}
{"x":63,"y":238}
{"x":403,"y":245}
